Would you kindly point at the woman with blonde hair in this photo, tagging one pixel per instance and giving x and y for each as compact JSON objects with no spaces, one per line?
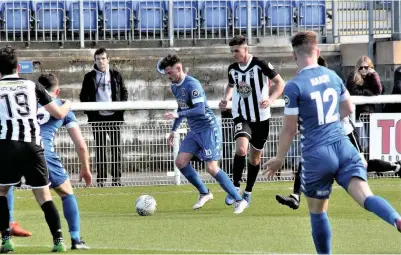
{"x":364,"y":81}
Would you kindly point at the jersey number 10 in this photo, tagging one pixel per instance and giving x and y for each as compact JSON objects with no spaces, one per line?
{"x":331,"y":115}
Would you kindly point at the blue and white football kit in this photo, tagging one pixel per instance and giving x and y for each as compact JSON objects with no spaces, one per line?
{"x":315,"y":95}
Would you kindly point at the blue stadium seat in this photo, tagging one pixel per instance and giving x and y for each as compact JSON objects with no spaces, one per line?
{"x":117,"y":15}
{"x":90,"y":15}
{"x":49,"y":15}
{"x":16,"y":15}
{"x":279,"y":13}
{"x":311,"y":13}
{"x":240,"y":14}
{"x":185,"y":14}
{"x":150,"y":15}
{"x":215,"y":14}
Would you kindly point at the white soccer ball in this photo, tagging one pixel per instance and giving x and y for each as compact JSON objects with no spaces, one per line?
{"x":145,"y":205}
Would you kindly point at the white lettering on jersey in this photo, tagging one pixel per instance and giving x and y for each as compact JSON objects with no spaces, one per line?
{"x":320,"y":80}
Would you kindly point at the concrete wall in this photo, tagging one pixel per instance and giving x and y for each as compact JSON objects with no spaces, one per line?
{"x":208,"y":64}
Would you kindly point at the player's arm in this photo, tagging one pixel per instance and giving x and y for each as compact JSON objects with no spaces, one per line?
{"x":44,"y":99}
{"x":278,"y":83}
{"x":228,"y":93}
{"x":198,"y":102}
{"x":289,"y":129}
{"x":82,"y":150}
{"x":346,"y":106}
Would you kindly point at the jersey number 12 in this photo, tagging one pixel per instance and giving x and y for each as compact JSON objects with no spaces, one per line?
{"x":331,"y":115}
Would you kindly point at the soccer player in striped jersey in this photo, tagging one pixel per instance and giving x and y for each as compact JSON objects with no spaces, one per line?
{"x":249,"y":79}
{"x":318,"y":100}
{"x":204,"y":137}
{"x":20,"y":139}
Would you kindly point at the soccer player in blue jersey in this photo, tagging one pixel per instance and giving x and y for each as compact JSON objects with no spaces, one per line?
{"x":318,"y":100}
{"x":58,"y":176}
{"x":204,"y":137}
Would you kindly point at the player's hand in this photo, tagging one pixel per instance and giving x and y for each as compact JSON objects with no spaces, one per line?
{"x":265,"y":103}
{"x":170,"y":139}
{"x":171,"y":115}
{"x":85,"y":174}
{"x":272,"y":166}
{"x":223,"y":105}
{"x":66,"y":102}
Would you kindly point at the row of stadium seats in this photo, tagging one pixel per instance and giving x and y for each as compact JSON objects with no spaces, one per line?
{"x":48,"y":15}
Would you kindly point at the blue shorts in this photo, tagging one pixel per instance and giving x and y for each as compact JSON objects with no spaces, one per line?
{"x":57,"y":173}
{"x":205,"y":145}
{"x":320,"y":166}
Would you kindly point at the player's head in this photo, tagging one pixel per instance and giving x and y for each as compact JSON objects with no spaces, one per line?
{"x":8,"y":61}
{"x":363,"y":65}
{"x":101,"y":59}
{"x":50,"y":82}
{"x":172,"y":66}
{"x":304,"y":45}
{"x":322,"y":62}
{"x":239,"y":48}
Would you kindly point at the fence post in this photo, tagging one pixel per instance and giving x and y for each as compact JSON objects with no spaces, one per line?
{"x":248,"y":22}
{"x":371,"y":30}
{"x":176,"y":148}
{"x":395,"y":19}
{"x":81,"y":24}
{"x":334,"y":20}
{"x":170,"y":23}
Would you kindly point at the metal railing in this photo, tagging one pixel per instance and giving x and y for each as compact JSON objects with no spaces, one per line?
{"x":91,"y":21}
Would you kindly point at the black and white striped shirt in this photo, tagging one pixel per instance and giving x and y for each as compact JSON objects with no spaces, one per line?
{"x":18,"y":106}
{"x":251,"y":87}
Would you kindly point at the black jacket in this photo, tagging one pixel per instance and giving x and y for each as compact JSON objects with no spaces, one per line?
{"x":118,"y":93}
{"x":393,"y":108}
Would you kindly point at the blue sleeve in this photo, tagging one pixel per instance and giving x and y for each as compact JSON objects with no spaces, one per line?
{"x":291,"y":99}
{"x":344,"y":94}
{"x":176,"y":123}
{"x":197,"y":97}
{"x":70,"y":120}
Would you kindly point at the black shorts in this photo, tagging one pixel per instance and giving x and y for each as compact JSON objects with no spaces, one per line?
{"x":256,"y":132}
{"x":22,"y":159}
{"x":354,"y":137}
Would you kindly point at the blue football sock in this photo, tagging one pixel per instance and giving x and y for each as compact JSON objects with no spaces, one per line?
{"x":321,"y":232}
{"x":192,"y":176}
{"x":71,"y":214}
{"x":227,"y":185}
{"x":381,"y":208}
{"x":10,"y":201}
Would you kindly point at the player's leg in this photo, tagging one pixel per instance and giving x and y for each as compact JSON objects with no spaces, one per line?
{"x":188,"y":148}
{"x":16,"y":229}
{"x":6,"y":244}
{"x":36,"y":175}
{"x":377,"y":165}
{"x":71,"y":214}
{"x":60,"y":182}
{"x":294,"y":199}
{"x":242,"y":134}
{"x":352,"y":177}
{"x":319,"y":166}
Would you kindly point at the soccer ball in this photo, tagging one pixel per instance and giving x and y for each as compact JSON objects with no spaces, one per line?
{"x":145,"y":205}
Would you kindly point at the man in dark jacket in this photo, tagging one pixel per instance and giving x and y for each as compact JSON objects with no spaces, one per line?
{"x":103,"y":84}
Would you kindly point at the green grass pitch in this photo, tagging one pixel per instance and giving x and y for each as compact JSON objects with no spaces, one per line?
{"x":111,"y":225}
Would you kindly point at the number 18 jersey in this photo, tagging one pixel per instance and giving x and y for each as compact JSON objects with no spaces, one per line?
{"x":315,"y":95}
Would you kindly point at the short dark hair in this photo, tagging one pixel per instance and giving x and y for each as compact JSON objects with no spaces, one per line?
{"x":48,"y":80}
{"x":170,"y":60}
{"x":8,"y":61}
{"x":100,"y":51}
{"x":304,"y":42}
{"x":322,"y":62}
{"x":238,"y":40}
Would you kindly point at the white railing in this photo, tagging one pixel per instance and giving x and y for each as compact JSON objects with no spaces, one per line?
{"x":147,"y":159}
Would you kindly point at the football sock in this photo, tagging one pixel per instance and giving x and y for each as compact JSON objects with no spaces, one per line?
{"x":252,"y":175}
{"x":239,"y":165}
{"x":10,"y":199}
{"x":52,"y":218}
{"x":71,"y":214}
{"x":381,"y":208}
{"x":192,"y":176}
{"x":321,"y":232}
{"x":227,"y":185}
